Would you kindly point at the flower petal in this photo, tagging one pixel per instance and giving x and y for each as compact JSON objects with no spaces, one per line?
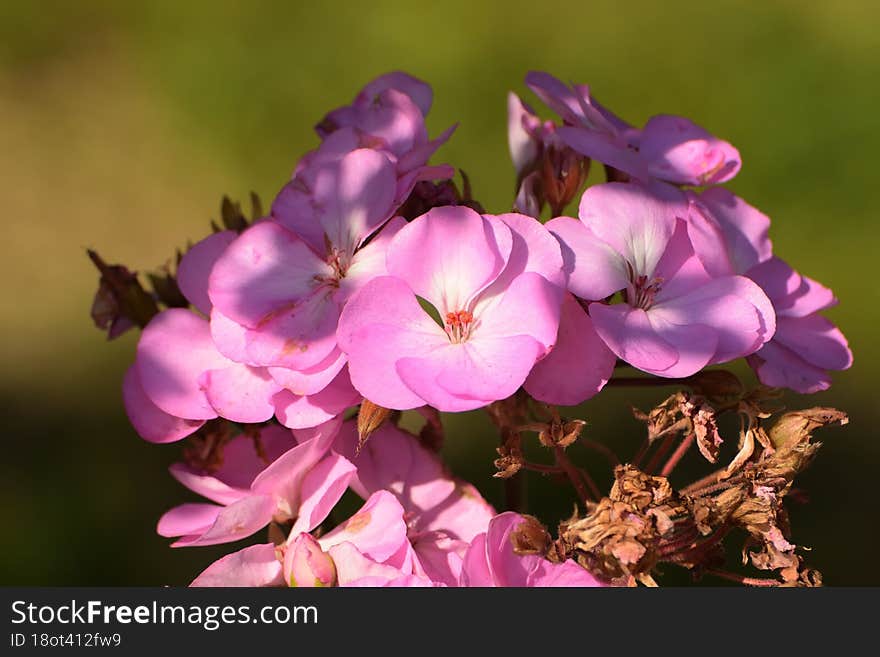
{"x":322,"y":487}
{"x":578,"y":366}
{"x":234,"y":522}
{"x":471,"y":374}
{"x":449,"y":255}
{"x":150,"y":421}
{"x":377,"y":530}
{"x":174,"y":350}
{"x":195,"y":268}
{"x":311,"y":410}
{"x":635,"y":221}
{"x":241,"y":393}
{"x":595,"y":269}
{"x":354,"y":196}
{"x":255,"y":565}
{"x":376,"y":338}
{"x":679,"y":151}
{"x":267,"y":269}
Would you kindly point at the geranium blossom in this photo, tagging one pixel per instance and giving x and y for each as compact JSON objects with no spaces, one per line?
{"x":675,"y":318}
{"x":498,"y":314}
{"x":181,"y":378}
{"x":300,"y":485}
{"x":491,"y":561}
{"x":285,"y":289}
{"x":669,"y":148}
{"x":368,"y":549}
{"x":443,"y":513}
{"x":731,"y":237}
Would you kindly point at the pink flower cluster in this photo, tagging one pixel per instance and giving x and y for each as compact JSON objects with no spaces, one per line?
{"x":334,"y":298}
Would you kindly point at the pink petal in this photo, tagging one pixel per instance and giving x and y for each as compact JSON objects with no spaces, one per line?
{"x":595,"y":269}
{"x":741,"y":232}
{"x":187,"y":520}
{"x":578,"y":366}
{"x":322,"y":488}
{"x":418,"y":90}
{"x":377,"y":530}
{"x":209,"y":486}
{"x":267,"y":270}
{"x":679,"y":270}
{"x":628,"y":333}
{"x":682,"y":152}
{"x":530,"y":305}
{"x":354,"y":196}
{"x":151,"y":422}
{"x":793,"y":295}
{"x":611,"y":149}
{"x":395,"y":461}
{"x":440,"y":557}
{"x":230,"y":338}
{"x":312,"y":380}
{"x":174,"y":350}
{"x":472,"y":374}
{"x":412,"y":165}
{"x":352,"y":566}
{"x":566,"y":574}
{"x":295,"y":207}
{"x":475,"y":571}
{"x":234,"y":522}
{"x":534,"y":249}
{"x":195,"y":268}
{"x":779,"y":367}
{"x":299,"y":337}
{"x":635,"y":221}
{"x":241,"y":393}
{"x":507,"y":567}
{"x":309,"y":411}
{"x":376,"y":339}
{"x":816,"y":340}
{"x":448,"y":255}
{"x":524,"y":148}
{"x":284,"y":477}
{"x":734,"y":307}
{"x":256,"y":565}
{"x":395,"y":119}
{"x":574,"y":105}
{"x":369,"y":261}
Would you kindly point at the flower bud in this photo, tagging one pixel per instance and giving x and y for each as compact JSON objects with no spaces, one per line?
{"x":306,"y":565}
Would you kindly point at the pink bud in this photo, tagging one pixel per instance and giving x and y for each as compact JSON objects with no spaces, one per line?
{"x":305,"y":564}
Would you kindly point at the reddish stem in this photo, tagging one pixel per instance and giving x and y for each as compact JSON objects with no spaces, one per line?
{"x":677,"y":455}
{"x":741,"y":579}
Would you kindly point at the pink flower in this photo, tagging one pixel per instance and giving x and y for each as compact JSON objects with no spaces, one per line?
{"x":730,"y":237}
{"x":278,"y":289}
{"x":302,"y":485}
{"x":669,"y":148}
{"x":180,"y":379}
{"x":443,"y":513}
{"x":389,"y":115}
{"x":806,"y":345}
{"x":495,"y":282}
{"x":369,"y":549}
{"x":491,"y":562}
{"x":675,"y":319}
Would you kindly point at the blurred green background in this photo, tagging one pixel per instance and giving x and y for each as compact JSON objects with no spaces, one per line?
{"x":122,"y":124}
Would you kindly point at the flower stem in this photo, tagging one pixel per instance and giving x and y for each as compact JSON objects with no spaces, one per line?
{"x":741,"y":579}
{"x":677,"y":455}
{"x":573,"y":475}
